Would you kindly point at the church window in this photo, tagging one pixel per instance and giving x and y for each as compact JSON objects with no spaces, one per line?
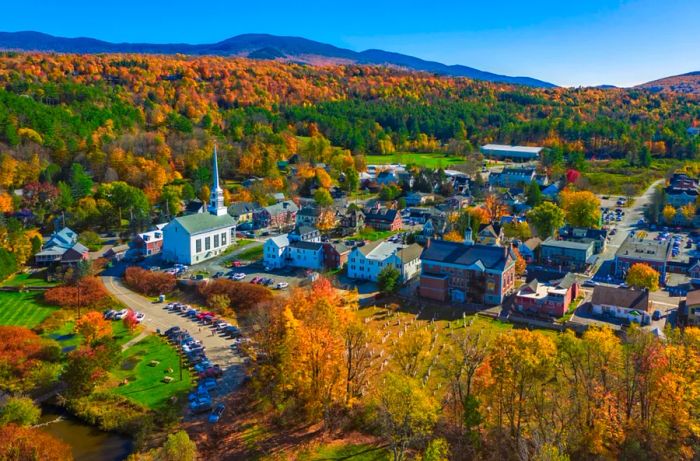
{"x":207,"y":243}
{"x":198,"y":245}
{"x":216,"y":240}
{"x":223,"y":238}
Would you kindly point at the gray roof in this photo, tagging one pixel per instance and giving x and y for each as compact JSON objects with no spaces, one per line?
{"x":239,"y":208}
{"x":642,"y":249}
{"x":380,"y":250}
{"x":282,"y":207}
{"x":622,"y":297}
{"x":550,"y":242}
{"x":490,"y":257}
{"x":519,"y":149}
{"x":303,"y":245}
{"x":203,"y":222}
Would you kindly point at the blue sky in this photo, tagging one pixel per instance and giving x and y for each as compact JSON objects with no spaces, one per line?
{"x":583,"y":42}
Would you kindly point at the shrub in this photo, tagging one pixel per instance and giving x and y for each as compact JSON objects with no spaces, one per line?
{"x":149,"y":282}
{"x":20,"y":410}
{"x":110,"y":412}
{"x":20,"y":443}
{"x":241,"y":296}
{"x":89,"y":291}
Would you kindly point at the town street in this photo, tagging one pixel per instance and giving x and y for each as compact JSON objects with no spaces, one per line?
{"x":157,"y":318}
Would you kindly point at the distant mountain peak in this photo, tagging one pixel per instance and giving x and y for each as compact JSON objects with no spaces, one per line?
{"x":257,"y":46}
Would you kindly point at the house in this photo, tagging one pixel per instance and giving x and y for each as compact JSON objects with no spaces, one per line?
{"x":366,"y":262}
{"x":513,"y":177}
{"x":277,"y":197}
{"x":623,"y":303}
{"x":75,"y":254}
{"x":57,"y":244}
{"x":550,"y":298}
{"x":117,"y":252}
{"x":682,"y":190}
{"x":433,"y":228}
{"x":551,"y":191}
{"x":584,"y":235}
{"x":305,"y":233}
{"x":694,"y":272}
{"x":529,"y":249}
{"x":308,"y":216}
{"x":352,"y":222}
{"x":691,"y":308}
{"x":280,"y":215}
{"x":637,"y":250}
{"x":335,"y":254}
{"x":572,"y":256}
{"x":463,"y":272}
{"x":423,"y":215}
{"x":519,"y":153}
{"x":194,"y":238}
{"x":490,"y":234}
{"x":242,"y":212}
{"x":383,"y":219}
{"x":387,"y":177}
{"x":419,"y":198}
{"x":289,"y":250}
{"x":151,"y":242}
{"x":457,"y":202}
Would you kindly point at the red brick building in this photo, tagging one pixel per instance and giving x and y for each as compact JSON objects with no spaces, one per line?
{"x":551,"y":298}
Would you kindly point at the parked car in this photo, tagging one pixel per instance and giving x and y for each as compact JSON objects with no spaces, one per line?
{"x":200,"y":406}
{"x":204,"y":314}
{"x":282,"y":285}
{"x":238,"y":276}
{"x":109,"y":314}
{"x":120,"y":314}
{"x":218,"y":275}
{"x":255,"y":280}
{"x":140,"y":316}
{"x":171,"y":331}
{"x":216,"y":413}
{"x":656,"y":315}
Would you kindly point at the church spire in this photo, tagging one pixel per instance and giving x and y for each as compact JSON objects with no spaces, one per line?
{"x":216,"y":198}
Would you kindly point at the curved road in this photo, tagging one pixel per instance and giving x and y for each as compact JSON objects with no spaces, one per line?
{"x":157,"y":318}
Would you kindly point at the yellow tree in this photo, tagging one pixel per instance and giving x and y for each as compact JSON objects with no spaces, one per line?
{"x":582,"y":208}
{"x":326,"y":220}
{"x":453,"y":236}
{"x":688,"y":211}
{"x":642,"y":275}
{"x":93,"y":326}
{"x":668,"y":213}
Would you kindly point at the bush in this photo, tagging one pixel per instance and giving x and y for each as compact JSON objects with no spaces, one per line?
{"x":8,"y":264}
{"x":20,"y":410}
{"x":242,"y":296}
{"x":91,"y":240}
{"x":89,"y":291}
{"x":20,"y":443}
{"x":110,"y":412}
{"x":149,"y":282}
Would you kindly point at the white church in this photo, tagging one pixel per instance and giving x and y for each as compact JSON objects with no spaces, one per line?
{"x":195,"y":238}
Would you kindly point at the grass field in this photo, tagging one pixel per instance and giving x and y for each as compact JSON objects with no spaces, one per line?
{"x":35,"y":279}
{"x":145,"y":382}
{"x":427,"y":160}
{"x":359,"y":452}
{"x":373,"y":235}
{"x":617,"y":177}
{"x":251,"y":254}
{"x":23,"y":309}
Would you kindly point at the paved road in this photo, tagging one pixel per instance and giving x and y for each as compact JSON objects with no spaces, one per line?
{"x":217,"y":347}
{"x":629,"y":222}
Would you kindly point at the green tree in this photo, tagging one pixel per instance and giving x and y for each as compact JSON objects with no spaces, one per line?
{"x":389,"y":280}
{"x":179,"y":447}
{"x":547,"y":218}
{"x":323,"y":197}
{"x":8,"y":264}
{"x":65,"y":198}
{"x":81,"y":183}
{"x":91,"y":240}
{"x":20,"y":410}
{"x":437,"y":450}
{"x":407,"y":413}
{"x":352,"y":180}
{"x":534,"y":194}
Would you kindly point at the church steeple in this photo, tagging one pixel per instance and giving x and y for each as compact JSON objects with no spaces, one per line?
{"x":216,"y":198}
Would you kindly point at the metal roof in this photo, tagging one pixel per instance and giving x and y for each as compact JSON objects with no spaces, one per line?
{"x":203,"y":222}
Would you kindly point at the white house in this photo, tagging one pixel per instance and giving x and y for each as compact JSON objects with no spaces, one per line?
{"x":625,"y":303}
{"x":195,"y":238}
{"x":366,"y":262}
{"x":301,"y":248}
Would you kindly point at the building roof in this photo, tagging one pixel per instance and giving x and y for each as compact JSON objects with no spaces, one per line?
{"x":643,"y":249}
{"x":381,"y":250}
{"x":517,"y":149}
{"x":532,"y":243}
{"x":280,"y":240}
{"x":304,"y":245}
{"x":282,"y":207}
{"x":484,"y":256}
{"x":581,"y":246}
{"x":621,"y":297}
{"x":538,"y":290}
{"x":65,"y":238}
{"x":203,"y":222}
{"x":383,"y":214}
{"x":340,"y":247}
{"x":309,"y":211}
{"x":239,"y":208}
{"x":52,"y":251}
{"x":692,"y":298}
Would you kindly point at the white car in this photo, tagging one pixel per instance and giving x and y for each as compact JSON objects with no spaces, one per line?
{"x":140,"y":316}
{"x":282,"y":285}
{"x":120,"y":314}
{"x":238,"y":276}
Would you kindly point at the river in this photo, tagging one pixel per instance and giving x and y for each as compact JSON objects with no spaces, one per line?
{"x":88,"y":443}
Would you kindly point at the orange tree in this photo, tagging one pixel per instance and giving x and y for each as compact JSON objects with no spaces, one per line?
{"x":26,"y":443}
{"x":93,"y":326}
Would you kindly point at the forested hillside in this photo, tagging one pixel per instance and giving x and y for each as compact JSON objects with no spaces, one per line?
{"x":151,"y":121}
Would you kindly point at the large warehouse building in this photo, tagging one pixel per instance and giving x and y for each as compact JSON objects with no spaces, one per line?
{"x":519,"y":153}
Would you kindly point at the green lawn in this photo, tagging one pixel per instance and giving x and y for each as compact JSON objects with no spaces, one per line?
{"x":68,"y":339}
{"x":28,"y":280}
{"x":360,"y":452}
{"x":23,"y":309}
{"x":251,"y":254}
{"x":373,"y":235}
{"x":146,"y":384}
{"x":426,"y":160}
{"x":617,"y":177}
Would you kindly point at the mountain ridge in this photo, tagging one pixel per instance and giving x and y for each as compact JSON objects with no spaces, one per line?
{"x":261,"y":46}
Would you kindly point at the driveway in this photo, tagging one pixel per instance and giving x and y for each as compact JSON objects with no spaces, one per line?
{"x":157,"y":318}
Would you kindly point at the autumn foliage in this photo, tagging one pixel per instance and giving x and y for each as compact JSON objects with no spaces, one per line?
{"x":89,"y":291}
{"x":93,"y":326}
{"x":19,"y":443}
{"x":149,"y":282}
{"x":241,"y":296}
{"x":642,"y":275}
{"x":21,"y":351}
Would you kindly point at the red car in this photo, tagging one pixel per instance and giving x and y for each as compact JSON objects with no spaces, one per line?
{"x":236,"y":264}
{"x":201,"y":315}
{"x":211,"y":372}
{"x":255,"y":280}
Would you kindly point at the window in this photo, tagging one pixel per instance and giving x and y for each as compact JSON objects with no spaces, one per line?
{"x":198,"y":246}
{"x":223,"y":238}
{"x":216,"y":241}
{"x":207,"y":243}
